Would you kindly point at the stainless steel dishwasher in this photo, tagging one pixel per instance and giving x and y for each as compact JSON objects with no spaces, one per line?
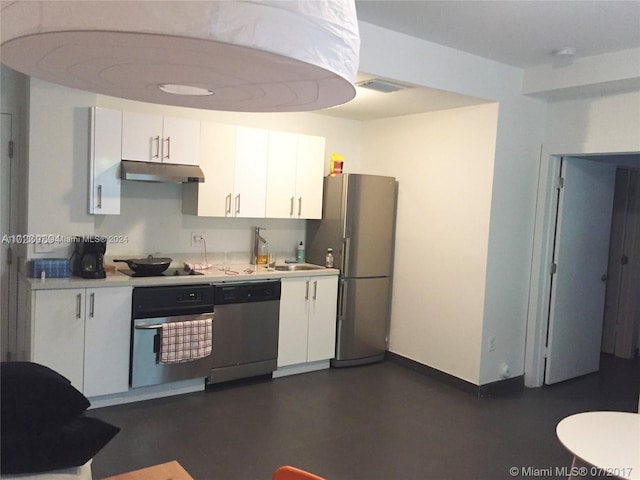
{"x":245,"y":330}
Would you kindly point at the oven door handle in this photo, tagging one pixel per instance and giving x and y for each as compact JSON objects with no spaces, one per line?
{"x":155,"y":326}
{"x":148,"y":327}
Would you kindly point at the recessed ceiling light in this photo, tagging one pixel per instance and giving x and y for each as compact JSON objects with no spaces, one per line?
{"x":565,"y":52}
{"x":176,"y":89}
{"x":383,"y":86}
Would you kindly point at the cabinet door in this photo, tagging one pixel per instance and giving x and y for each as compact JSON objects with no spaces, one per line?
{"x":104,"y":178}
{"x":309,"y":176}
{"x":293,"y":332}
{"x":250,"y":181}
{"x":281,"y":175}
{"x":141,"y":137}
{"x":323,"y":295}
{"x":181,"y":141}
{"x":213,"y":197}
{"x":58,"y":332}
{"x":107,"y":340}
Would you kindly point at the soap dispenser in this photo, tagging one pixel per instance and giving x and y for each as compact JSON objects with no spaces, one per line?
{"x":300,"y":253}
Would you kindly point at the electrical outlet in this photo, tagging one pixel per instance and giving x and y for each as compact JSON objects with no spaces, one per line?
{"x":196,"y":238}
{"x":492,"y":343}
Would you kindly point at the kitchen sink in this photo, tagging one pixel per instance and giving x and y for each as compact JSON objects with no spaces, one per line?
{"x":294,"y":267}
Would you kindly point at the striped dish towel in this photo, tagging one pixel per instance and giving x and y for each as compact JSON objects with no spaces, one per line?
{"x":185,"y":341}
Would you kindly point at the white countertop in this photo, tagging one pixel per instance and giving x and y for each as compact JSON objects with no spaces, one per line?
{"x":610,"y":441}
{"x":246,"y":272}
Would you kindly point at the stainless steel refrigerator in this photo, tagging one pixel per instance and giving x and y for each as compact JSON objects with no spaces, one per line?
{"x":358,"y":223}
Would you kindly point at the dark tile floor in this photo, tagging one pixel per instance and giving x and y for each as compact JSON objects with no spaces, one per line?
{"x":380,"y":421}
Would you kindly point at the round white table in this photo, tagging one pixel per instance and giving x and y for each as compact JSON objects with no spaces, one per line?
{"x":607,"y":442}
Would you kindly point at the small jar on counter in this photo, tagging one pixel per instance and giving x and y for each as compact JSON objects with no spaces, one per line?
{"x":328,"y":259}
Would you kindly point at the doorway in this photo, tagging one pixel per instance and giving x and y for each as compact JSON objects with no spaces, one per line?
{"x":541,"y":288}
{"x":621,"y":336}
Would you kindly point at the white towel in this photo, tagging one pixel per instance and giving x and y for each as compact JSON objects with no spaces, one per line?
{"x":185,"y":341}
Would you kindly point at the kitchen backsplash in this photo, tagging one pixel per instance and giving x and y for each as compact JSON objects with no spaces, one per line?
{"x":152,"y":222}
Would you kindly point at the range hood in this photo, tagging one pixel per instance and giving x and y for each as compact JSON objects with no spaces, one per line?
{"x":160,"y":172}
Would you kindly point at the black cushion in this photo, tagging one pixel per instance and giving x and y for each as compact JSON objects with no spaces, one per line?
{"x":36,"y":399}
{"x":70,"y":445}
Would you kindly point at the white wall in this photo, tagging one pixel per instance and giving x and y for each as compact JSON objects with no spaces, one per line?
{"x":520,"y":134}
{"x":58,"y":160}
{"x":594,"y":124}
{"x":444,"y":164}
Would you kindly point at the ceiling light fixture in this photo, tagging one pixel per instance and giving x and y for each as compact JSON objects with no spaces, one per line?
{"x":236,"y":55}
{"x":565,"y":52}
{"x":175,"y":89}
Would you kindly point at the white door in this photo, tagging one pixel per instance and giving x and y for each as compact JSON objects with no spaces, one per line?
{"x":581,"y":253}
{"x":5,"y":191}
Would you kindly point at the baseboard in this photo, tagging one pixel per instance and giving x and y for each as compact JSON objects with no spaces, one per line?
{"x":502,"y":387}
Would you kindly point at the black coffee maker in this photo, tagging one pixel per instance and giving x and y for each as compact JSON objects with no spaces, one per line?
{"x":88,"y":257}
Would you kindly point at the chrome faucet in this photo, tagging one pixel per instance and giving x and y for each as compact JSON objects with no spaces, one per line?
{"x":257,"y":240}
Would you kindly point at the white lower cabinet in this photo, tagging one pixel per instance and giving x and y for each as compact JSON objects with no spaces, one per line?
{"x":107,"y":339}
{"x":84,"y":335}
{"x":307,"y":319}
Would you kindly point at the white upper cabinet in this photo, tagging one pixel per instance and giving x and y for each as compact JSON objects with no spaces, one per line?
{"x":234,"y":162}
{"x":104,"y":164}
{"x":250,"y":179}
{"x":153,"y":138}
{"x":281,"y":175}
{"x":256,"y":173}
{"x":295,"y":176}
{"x":309,"y":176}
{"x":214,"y":197}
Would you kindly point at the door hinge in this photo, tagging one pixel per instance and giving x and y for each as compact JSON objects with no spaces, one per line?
{"x":10,"y":149}
{"x":554,"y":268}
{"x":560,"y":183}
{"x":624,"y":260}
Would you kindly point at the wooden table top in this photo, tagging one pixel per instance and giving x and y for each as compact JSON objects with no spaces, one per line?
{"x":165,"y":471}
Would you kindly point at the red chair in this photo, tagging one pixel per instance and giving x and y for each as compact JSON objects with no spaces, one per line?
{"x":287,"y":472}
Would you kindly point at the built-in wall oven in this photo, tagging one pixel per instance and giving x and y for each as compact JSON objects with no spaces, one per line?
{"x":158,"y":305}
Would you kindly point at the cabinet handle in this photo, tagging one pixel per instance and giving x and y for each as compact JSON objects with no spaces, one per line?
{"x":168,"y":155}
{"x":237,"y":203}
{"x":291,"y":209}
{"x":99,"y":196}
{"x":306,"y":293}
{"x":78,"y":305}
{"x":227,"y":205}
{"x":299,"y":207}
{"x":92,"y":304}
{"x":157,"y":154}
{"x":315,"y":289}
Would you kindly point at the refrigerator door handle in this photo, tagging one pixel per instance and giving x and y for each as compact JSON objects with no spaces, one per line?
{"x":345,"y":255}
{"x":341,"y":295}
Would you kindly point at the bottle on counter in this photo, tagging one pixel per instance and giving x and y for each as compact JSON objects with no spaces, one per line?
{"x":263,"y":254}
{"x":300,"y":253}
{"x":328,"y":259}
